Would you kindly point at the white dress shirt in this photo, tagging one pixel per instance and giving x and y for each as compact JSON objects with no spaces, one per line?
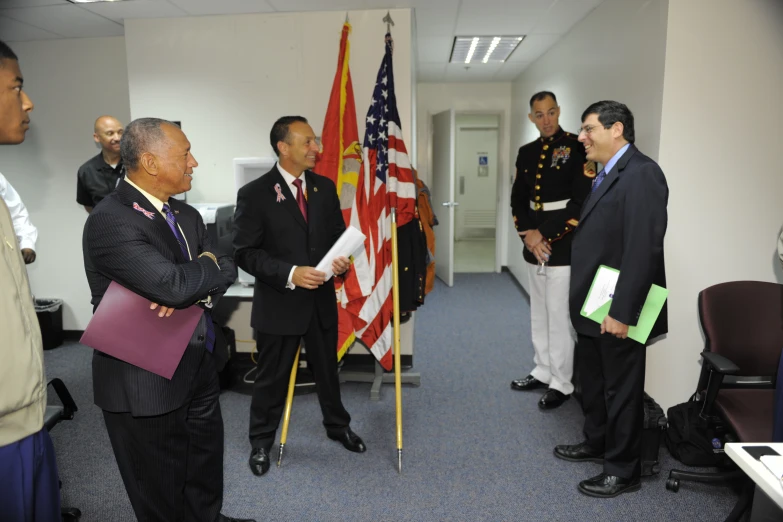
{"x":26,"y":233}
{"x":289,"y":179}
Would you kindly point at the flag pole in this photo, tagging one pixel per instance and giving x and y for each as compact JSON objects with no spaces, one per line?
{"x":396,"y":330}
{"x":288,"y":403}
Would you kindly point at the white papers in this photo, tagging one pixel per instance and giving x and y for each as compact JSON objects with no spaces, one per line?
{"x":348,"y":243}
{"x":602,"y":290}
{"x":774,"y":463}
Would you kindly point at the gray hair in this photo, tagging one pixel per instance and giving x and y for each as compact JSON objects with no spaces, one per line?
{"x":139,"y":137}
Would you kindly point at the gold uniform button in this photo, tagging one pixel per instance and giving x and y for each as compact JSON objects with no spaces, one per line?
{"x":538,"y":197}
{"x":538,"y":187}
{"x":543,"y":156}
{"x":567,"y":229}
{"x":557,"y":236}
{"x":537,"y":207}
{"x":525,"y":170}
{"x":538,"y":176}
{"x":546,"y":147}
{"x":540,"y":166}
{"x":406,"y":268}
{"x":558,"y":167}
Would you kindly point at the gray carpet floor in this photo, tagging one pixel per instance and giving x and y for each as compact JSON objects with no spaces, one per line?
{"x":474,"y":450}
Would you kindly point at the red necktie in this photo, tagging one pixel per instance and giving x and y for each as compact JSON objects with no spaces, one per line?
{"x":300,"y":198}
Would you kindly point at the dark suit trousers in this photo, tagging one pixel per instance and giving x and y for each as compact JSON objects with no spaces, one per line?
{"x":172,"y":464}
{"x":612,"y":376}
{"x":276,"y":355}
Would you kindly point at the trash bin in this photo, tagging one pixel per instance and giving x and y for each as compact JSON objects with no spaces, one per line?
{"x":50,"y":318}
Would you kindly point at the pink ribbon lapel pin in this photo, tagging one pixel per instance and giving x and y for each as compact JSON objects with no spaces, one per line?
{"x":138,"y":208}
{"x":280,"y":196}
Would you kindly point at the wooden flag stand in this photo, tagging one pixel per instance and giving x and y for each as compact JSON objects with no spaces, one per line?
{"x":289,"y":401}
{"x":396,"y":334}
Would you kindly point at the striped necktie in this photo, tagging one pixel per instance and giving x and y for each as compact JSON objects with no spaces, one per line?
{"x":598,"y":179}
{"x":172,"y":222}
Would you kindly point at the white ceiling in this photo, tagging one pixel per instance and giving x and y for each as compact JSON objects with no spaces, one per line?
{"x":542,"y":22}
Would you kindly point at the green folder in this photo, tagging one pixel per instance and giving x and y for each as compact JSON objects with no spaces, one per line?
{"x":650,"y":311}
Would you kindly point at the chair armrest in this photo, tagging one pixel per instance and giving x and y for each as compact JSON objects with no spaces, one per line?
{"x":720,"y":363}
{"x":69,"y":406}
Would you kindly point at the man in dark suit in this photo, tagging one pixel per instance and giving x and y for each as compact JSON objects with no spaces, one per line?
{"x":622,"y":226}
{"x":285,"y":223}
{"x":167,"y":435}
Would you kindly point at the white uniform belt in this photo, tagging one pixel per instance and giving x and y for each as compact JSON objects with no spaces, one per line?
{"x":549,"y":205}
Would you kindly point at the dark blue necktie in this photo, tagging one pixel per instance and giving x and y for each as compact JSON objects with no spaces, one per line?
{"x":172,"y":222}
{"x":598,"y":179}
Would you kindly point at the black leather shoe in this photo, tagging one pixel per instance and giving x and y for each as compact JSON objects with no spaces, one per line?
{"x":224,"y":518}
{"x":608,"y":486}
{"x":259,"y":461}
{"x":528,"y":383}
{"x":349,"y":439}
{"x":552,"y":399}
{"x":581,"y":452}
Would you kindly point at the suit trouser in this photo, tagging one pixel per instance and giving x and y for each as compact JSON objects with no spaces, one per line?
{"x":612,"y":378}
{"x":276,"y":355}
{"x":172,"y":464}
{"x":550,"y":324}
{"x":29,"y":485}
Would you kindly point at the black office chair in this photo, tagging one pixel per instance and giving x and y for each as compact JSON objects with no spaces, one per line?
{"x":52,"y":416}
{"x":743,"y":329}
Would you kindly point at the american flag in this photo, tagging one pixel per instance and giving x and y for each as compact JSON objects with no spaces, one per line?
{"x":387,"y":182}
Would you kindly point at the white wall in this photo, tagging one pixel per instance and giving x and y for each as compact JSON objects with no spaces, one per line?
{"x":228,"y":78}
{"x":720,"y":151}
{"x":433,"y":98}
{"x":616,"y":52}
{"x":71,"y":82}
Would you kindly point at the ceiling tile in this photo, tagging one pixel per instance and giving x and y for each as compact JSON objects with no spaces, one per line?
{"x":563,"y":16}
{"x":501,"y":18}
{"x":14,"y":31}
{"x":218,"y":7}
{"x":430,"y":72}
{"x":30,"y":3}
{"x":119,"y":11}
{"x":434,"y":49}
{"x":436,"y":22}
{"x":70,"y":21}
{"x":511,"y":71}
{"x":315,"y":5}
{"x":475,"y":73}
{"x":533,"y":46}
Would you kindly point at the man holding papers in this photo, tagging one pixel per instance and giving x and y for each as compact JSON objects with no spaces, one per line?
{"x":285,"y":223}
{"x":622,"y":226}
{"x":167,"y":434}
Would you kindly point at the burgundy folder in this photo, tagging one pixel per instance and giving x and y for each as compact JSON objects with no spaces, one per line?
{"x":124,"y":327}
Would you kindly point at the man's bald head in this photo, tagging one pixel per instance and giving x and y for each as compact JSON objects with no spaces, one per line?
{"x":108,"y":133}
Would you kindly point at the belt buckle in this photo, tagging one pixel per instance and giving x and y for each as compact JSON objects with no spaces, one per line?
{"x":537,"y":206}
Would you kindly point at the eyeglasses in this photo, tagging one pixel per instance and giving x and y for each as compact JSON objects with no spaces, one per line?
{"x":587,"y":129}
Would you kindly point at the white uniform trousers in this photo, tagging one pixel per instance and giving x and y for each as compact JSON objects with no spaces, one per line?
{"x":550,"y":322}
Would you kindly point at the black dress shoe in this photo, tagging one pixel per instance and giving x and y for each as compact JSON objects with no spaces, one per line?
{"x":259,"y":461}
{"x":528,"y":383}
{"x":608,"y":486}
{"x":224,"y":518}
{"x":581,"y":452}
{"x":552,"y":399}
{"x":349,"y":439}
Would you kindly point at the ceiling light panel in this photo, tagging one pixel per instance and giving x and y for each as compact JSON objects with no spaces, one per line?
{"x":483,"y":49}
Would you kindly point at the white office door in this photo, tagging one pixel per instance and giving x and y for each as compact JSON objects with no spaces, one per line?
{"x":444,"y":132}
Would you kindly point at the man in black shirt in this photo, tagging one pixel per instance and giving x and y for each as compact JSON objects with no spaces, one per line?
{"x":99,"y":176}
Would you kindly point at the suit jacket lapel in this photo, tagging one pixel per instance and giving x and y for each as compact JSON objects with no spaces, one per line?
{"x":607,"y":183}
{"x":143,"y":208}
{"x":188,"y":228}
{"x":289,"y":203}
{"x":314,"y":198}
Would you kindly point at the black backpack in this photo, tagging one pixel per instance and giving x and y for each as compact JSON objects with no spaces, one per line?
{"x":693,"y":440}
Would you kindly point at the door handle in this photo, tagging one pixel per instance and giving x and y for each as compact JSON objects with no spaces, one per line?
{"x":450,"y":204}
